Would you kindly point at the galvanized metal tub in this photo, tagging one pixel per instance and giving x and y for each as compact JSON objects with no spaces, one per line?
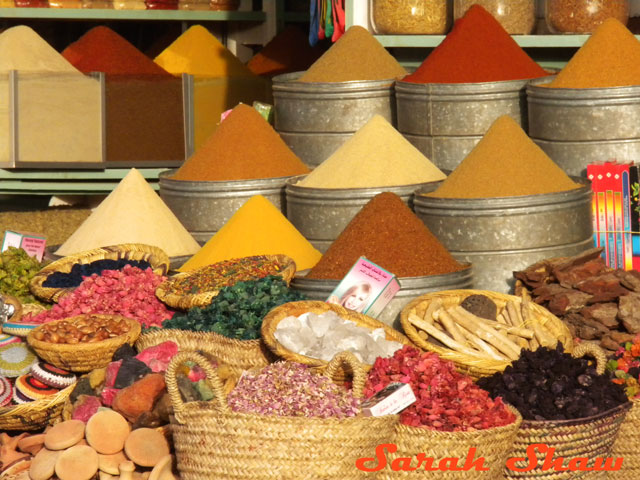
{"x":579,"y":126}
{"x":410,"y":288}
{"x":315,"y":119}
{"x":505,"y":234}
{"x":446,"y":120}
{"x":204,"y":207}
{"x":321,"y":214}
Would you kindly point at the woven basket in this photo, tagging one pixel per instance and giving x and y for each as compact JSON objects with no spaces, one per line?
{"x":591,"y":437}
{"x":211,"y":441}
{"x":492,"y":444}
{"x":469,"y":365}
{"x":239,"y":355}
{"x":35,"y":415}
{"x":165,"y":291}
{"x":627,"y":445}
{"x":83,"y":357}
{"x":156,"y":257}
{"x":275,"y":316}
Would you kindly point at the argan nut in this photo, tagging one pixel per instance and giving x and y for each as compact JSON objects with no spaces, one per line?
{"x":106,"y":431}
{"x":77,"y":463}
{"x":64,"y":435}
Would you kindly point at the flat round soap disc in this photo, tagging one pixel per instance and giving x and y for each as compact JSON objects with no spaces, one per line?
{"x":18,"y":329}
{"x":16,"y":359}
{"x":8,"y":339}
{"x":107,"y":431}
{"x":33,"y":388}
{"x":53,"y":376}
{"x":43,"y":464}
{"x":77,"y":463}
{"x":64,"y":435}
{"x":146,"y":447}
{"x":6,"y":391}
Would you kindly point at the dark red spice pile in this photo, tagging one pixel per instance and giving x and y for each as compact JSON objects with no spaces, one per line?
{"x":445,"y":399}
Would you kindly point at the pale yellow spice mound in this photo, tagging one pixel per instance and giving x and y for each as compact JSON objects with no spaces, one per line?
{"x":376,"y":156}
{"x":609,"y":58}
{"x":356,"y":56}
{"x":505,"y":163}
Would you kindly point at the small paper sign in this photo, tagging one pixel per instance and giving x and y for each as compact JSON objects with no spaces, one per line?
{"x":31,"y":243}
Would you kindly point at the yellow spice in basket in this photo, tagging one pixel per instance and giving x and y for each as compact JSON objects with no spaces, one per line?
{"x":376,"y":156}
{"x":257,"y":228}
{"x":132,"y":213}
{"x":505,"y":163}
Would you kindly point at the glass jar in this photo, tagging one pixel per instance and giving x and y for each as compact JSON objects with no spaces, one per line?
{"x":404,"y":17}
{"x":517,"y":17}
{"x":583,"y":16}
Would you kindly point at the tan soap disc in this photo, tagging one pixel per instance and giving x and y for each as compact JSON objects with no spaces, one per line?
{"x":43,"y":464}
{"x":106,"y":431}
{"x":162,"y":470}
{"x":146,"y":446}
{"x":64,"y":435}
{"x":77,"y":463}
{"x":31,"y":444}
{"x":109,"y":463}
{"x":82,"y":442}
{"x":105,"y":476}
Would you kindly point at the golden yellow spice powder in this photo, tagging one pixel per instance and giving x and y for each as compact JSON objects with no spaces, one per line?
{"x":505,"y":163}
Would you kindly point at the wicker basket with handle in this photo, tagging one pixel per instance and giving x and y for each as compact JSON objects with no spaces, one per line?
{"x":470,"y":365}
{"x":212,"y":441}
{"x":155,"y":256}
{"x":35,"y":415}
{"x":275,"y":316}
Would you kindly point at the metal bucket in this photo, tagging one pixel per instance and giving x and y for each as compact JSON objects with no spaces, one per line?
{"x":320,"y":214}
{"x":204,"y":207}
{"x":446,"y":120}
{"x":315,"y":119}
{"x":505,"y":234}
{"x":410,"y":288}
{"x":580,"y":126}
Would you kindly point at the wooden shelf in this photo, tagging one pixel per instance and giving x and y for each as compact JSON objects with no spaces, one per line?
{"x":104,"y":14}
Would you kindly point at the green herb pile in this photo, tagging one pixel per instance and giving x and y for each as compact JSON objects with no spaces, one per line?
{"x":17,"y":269}
{"x":237,"y":311}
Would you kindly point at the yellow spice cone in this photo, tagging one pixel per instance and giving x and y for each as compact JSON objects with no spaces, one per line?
{"x":257,"y":228}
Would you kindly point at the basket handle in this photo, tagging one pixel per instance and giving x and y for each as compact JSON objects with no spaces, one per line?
{"x":212,"y":376}
{"x":350,"y":360}
{"x":586,"y":348}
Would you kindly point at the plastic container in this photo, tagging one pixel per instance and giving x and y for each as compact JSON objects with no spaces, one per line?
{"x":583,"y":16}
{"x":404,"y":17}
{"x":516,"y":16}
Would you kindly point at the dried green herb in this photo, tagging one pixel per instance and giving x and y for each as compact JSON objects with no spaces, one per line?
{"x":17,"y":269}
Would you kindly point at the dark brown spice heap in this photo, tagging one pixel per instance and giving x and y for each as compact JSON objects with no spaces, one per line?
{"x":386,"y":232}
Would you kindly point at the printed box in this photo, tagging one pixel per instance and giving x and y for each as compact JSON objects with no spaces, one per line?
{"x":33,"y":244}
{"x":367,"y":288}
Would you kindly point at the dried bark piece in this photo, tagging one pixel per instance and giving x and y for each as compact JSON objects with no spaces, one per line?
{"x":110,"y":463}
{"x":603,"y":283}
{"x":564,"y":263}
{"x":629,"y":279}
{"x":79,"y":462}
{"x":621,"y":337}
{"x":572,"y":300}
{"x":106,"y":432}
{"x":629,"y":312}
{"x":608,"y":343}
{"x":31,"y":444}
{"x":580,"y":329}
{"x":547,"y":292}
{"x":146,"y":447}
{"x":605,"y":313}
{"x":64,"y":435}
{"x":43,"y":464}
{"x":575,"y":274}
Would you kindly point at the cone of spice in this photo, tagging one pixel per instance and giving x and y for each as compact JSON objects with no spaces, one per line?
{"x":257,"y":228}
{"x":505,"y":163}
{"x":389,"y":234}
{"x":289,"y":51}
{"x":356,"y":56}
{"x":609,"y":58}
{"x":376,"y":156}
{"x":144,"y":105}
{"x":478,"y":49}
{"x":244,"y":147}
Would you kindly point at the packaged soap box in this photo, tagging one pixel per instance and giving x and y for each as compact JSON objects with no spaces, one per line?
{"x":367,"y":288}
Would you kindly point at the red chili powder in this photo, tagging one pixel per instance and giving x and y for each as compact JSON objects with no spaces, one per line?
{"x":478,"y":49}
{"x":103,"y":50}
{"x":389,"y":234}
{"x":289,"y":51}
{"x":244,"y":146}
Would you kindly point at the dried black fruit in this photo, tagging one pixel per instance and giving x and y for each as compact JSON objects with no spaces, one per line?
{"x":552,"y":385}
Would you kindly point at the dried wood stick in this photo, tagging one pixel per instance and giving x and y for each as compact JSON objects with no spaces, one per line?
{"x":517,"y":331}
{"x":431,"y":309}
{"x":518,"y":309}
{"x":542,"y":335}
{"x":450,"y":326}
{"x":500,"y":318}
{"x":522,"y":342}
{"x":441,"y":336}
{"x":513,"y":314}
{"x":533,"y":344}
{"x":483,"y":346}
{"x":485,"y":332}
{"x":507,"y":317}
